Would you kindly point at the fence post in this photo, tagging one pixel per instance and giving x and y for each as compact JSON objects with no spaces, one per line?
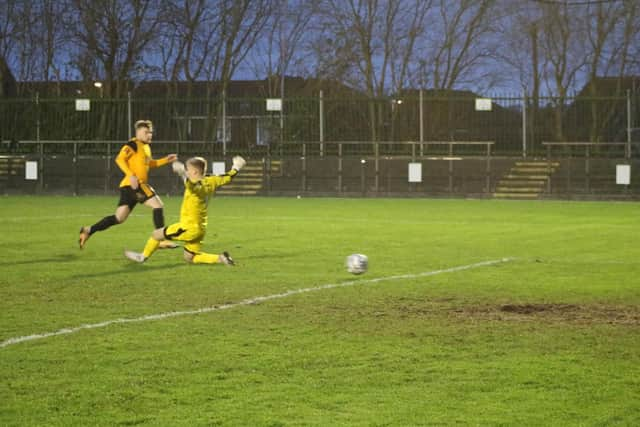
{"x":450,"y":168}
{"x":129,"y":121}
{"x":340,"y":167}
{"x":268,"y":168}
{"x":75,"y":168}
{"x":569,"y":164}
{"x":38,"y":117}
{"x":321,"y":124}
{"x":41,"y":165}
{"x":421,"y":123}
{"x":548,"y":168}
{"x":628,"y":148}
{"x":377,"y":167}
{"x":363,"y":177}
{"x":524,"y":124}
{"x":488,"y":180}
{"x":41,"y":146}
{"x":304,"y":167}
{"x":107,"y":177}
{"x":224,"y":124}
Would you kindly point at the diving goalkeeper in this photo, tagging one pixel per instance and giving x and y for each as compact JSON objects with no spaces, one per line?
{"x":192,"y":226}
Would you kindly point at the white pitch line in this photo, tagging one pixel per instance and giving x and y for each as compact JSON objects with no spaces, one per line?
{"x":255,"y":300}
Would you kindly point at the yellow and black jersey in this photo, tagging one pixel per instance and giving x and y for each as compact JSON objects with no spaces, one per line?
{"x":196,"y":197}
{"x":135,"y":158}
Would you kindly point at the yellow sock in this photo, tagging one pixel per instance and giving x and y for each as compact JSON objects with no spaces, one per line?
{"x":205,"y":258}
{"x":150,"y":247}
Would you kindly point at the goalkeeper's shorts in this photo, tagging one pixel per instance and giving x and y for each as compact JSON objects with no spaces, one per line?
{"x":131,"y":197}
{"x":191,"y":234}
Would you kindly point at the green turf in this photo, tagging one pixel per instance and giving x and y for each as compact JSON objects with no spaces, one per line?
{"x":550,"y":338}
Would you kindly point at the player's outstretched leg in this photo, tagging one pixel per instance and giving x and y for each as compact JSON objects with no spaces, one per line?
{"x":225,"y":258}
{"x":149,"y":248}
{"x":121,"y":215}
{"x":206,"y":258}
{"x":85,"y":233}
{"x":135,"y":256}
{"x":167,"y":244}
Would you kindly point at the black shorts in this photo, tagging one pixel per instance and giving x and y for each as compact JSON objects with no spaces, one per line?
{"x":131,"y":197}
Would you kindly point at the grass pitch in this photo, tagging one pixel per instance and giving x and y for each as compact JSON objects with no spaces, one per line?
{"x":550,"y":338}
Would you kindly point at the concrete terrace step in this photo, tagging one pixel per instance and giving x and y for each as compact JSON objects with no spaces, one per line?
{"x":525,"y":180}
{"x":251,"y":179}
{"x":246,"y":179}
{"x":239,"y":186}
{"x":527,"y":177}
{"x":515,"y":195}
{"x":537,"y":164}
{"x":521,"y":182}
{"x":531,"y":170}
{"x":532,"y":190}
{"x":250,"y":174}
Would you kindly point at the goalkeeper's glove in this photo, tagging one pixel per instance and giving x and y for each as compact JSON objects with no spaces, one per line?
{"x":238,"y":163}
{"x":178,"y":168}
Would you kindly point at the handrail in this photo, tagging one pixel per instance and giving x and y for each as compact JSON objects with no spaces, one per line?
{"x":584,"y":143}
{"x":82,"y":141}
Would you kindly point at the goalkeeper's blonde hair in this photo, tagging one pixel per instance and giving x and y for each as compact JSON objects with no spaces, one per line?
{"x":198,"y":162}
{"x":143,"y":124}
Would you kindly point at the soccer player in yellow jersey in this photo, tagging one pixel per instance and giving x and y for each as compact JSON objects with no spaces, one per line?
{"x":135,"y":161}
{"x":193,"y":214}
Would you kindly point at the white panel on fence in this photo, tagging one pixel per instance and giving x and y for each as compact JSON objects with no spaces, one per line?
{"x":415,"y":172}
{"x":218,"y":168}
{"x":483,"y":104}
{"x":623,"y":174}
{"x":274,"y":104}
{"x":83,"y":104}
{"x":31,"y":170}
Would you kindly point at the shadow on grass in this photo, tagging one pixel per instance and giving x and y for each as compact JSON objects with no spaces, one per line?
{"x":62,"y":258}
{"x":130,"y":268}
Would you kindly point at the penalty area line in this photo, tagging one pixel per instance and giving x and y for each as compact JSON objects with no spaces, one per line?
{"x":249,"y":301}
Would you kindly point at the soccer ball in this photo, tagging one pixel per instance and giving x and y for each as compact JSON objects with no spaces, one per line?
{"x":357,"y":263}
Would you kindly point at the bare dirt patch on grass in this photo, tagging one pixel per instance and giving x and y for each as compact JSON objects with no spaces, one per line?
{"x":521,"y":312}
{"x":572,"y":313}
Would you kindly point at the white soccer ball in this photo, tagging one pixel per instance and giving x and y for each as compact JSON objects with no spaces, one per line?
{"x":357,"y":263}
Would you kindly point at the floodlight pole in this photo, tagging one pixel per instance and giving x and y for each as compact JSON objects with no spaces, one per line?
{"x":421,"y":123}
{"x":283,"y":7}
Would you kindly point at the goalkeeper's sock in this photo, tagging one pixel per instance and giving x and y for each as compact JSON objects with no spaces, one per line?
{"x":205,"y":258}
{"x":103,"y":224}
{"x":158,"y":218}
{"x":150,"y":247}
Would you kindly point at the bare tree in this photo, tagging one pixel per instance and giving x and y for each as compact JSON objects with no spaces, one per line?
{"x":18,"y":42}
{"x":112,"y":37}
{"x":207,"y":40}
{"x":612,"y":29}
{"x":370,"y":44}
{"x":282,"y":49}
{"x":458,"y":43}
{"x":565,"y":55}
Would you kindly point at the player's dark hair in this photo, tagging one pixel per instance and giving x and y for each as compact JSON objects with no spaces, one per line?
{"x":198,"y":163}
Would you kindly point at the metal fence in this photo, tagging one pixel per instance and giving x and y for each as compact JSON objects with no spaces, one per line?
{"x":329,"y":168}
{"x":516,"y":124}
